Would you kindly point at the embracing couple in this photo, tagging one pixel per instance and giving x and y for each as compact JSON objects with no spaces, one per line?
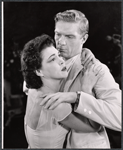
{"x":72,"y":96}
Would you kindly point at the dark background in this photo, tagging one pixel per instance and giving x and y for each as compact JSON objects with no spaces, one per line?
{"x":26,"y":20}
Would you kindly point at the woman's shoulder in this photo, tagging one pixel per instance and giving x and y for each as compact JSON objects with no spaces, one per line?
{"x":33,"y":110}
{"x":35,"y":95}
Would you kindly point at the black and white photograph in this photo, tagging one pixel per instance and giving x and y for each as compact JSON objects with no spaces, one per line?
{"x":61,"y":74}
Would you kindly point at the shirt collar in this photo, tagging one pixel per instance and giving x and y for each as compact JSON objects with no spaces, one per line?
{"x":70,"y":62}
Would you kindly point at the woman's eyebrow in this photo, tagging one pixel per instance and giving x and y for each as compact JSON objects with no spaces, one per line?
{"x":51,"y":56}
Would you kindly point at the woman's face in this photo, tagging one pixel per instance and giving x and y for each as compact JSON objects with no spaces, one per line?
{"x":53,"y":66}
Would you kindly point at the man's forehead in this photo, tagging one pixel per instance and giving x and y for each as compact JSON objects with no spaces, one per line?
{"x":66,"y":27}
{"x":65,"y":34}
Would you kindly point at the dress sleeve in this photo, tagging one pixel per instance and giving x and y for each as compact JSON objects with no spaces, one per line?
{"x":62,"y":111}
{"x":25,"y":89}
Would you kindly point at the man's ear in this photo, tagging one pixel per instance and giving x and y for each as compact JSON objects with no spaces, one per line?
{"x":84,"y":39}
{"x":39,"y":73}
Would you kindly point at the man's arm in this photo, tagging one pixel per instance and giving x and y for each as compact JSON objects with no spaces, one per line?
{"x":78,"y":124}
{"x":106,"y":107}
{"x":62,"y":113}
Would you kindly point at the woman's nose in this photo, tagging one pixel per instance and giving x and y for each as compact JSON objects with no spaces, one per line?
{"x":61,"y":61}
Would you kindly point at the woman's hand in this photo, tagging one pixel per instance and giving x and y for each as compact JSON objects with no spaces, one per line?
{"x":87,"y":57}
{"x":90,"y":77}
{"x":51,"y":101}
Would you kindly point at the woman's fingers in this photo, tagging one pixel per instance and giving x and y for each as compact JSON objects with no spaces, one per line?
{"x":84,"y":54}
{"x":88,"y":62}
{"x":87,"y":57}
{"x":101,"y":73}
{"x":97,"y":69}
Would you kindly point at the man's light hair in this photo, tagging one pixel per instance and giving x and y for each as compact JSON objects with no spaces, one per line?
{"x":74,"y":16}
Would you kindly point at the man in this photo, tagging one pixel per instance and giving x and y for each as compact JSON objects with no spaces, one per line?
{"x":71,"y":32}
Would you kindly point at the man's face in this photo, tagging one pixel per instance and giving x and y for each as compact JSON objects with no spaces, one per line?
{"x":68,"y":39}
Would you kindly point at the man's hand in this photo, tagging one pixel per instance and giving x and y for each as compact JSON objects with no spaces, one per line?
{"x":51,"y":101}
{"x":87,"y":57}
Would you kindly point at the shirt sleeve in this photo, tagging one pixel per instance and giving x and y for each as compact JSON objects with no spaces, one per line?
{"x":62,"y":111}
{"x":106,"y":107}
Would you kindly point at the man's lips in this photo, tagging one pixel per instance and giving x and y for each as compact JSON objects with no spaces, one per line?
{"x":61,"y":49}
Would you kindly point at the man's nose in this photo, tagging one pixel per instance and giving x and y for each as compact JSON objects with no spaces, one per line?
{"x":62,"y":40}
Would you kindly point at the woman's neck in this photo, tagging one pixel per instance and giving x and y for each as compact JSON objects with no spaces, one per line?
{"x":50,"y":86}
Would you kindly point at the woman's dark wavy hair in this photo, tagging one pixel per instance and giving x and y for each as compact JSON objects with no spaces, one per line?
{"x":31,"y":59}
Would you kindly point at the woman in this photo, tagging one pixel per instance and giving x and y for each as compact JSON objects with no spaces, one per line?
{"x":43,"y":69}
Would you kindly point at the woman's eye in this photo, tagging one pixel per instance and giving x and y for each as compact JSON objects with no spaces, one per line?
{"x":52,"y":59}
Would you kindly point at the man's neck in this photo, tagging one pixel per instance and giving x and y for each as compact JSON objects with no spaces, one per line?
{"x":72,"y":57}
{"x":70,"y":62}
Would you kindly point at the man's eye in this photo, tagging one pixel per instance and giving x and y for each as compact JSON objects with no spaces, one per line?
{"x":69,"y":36}
{"x":57,"y":34}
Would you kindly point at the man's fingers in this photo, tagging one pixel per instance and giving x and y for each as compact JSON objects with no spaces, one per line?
{"x":44,"y":100}
{"x":43,"y":95}
{"x":47,"y":97}
{"x":55,"y":104}
{"x":51,"y":102}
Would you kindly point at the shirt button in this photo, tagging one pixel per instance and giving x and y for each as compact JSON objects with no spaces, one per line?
{"x":85,"y":110}
{"x":89,"y":112}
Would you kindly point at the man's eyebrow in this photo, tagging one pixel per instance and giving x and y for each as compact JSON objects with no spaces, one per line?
{"x":65,"y":34}
{"x":56,"y":31}
{"x":70,"y":35}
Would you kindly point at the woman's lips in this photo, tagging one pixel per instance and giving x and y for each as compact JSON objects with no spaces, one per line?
{"x":64,"y":69}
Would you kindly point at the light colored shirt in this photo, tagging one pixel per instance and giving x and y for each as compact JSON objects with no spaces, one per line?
{"x":104,"y":109}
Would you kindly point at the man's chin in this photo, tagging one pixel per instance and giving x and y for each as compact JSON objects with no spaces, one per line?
{"x":62,"y":53}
